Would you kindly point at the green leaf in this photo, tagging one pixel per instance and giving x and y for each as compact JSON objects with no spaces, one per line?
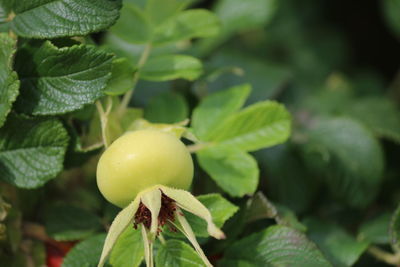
{"x":118,"y":226}
{"x":337,"y":245}
{"x":194,"y":23}
{"x":31,"y":150}
{"x":168,"y":107}
{"x":171,"y":67}
{"x":58,"y":18}
{"x":175,"y":253}
{"x":133,"y":26}
{"x":129,"y":250}
{"x":376,"y":230}
{"x":266,"y":78}
{"x":121,"y":77}
{"x":220,"y":208}
{"x":169,"y":9}
{"x":275,"y":246}
{"x":260,"y":125}
{"x":394,"y":229}
{"x":237,"y":16}
{"x":392,"y":10}
{"x":69,"y":223}
{"x":9,"y":83}
{"x":348,"y":156}
{"x":217,"y":107}
{"x":59,"y":80}
{"x":85,"y":253}
{"x":379,"y":114}
{"x":289,"y":183}
{"x":235,"y":171}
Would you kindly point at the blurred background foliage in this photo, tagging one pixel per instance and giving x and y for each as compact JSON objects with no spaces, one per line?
{"x":334,"y":64}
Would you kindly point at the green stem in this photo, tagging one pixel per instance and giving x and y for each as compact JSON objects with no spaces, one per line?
{"x":127,"y":97}
{"x":104,"y":119}
{"x":389,"y":258}
{"x":197,"y":147}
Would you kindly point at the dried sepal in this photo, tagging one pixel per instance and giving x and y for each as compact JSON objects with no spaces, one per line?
{"x":188,"y":202}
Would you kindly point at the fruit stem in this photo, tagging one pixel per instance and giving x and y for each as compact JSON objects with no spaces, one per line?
{"x":128,"y":95}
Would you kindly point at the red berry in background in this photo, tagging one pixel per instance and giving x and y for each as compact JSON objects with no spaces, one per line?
{"x":56,"y":251}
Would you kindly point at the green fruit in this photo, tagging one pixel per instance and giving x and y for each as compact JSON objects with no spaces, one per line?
{"x":139,"y":160}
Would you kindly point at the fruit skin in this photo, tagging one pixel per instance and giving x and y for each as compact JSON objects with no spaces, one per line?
{"x":139,"y":160}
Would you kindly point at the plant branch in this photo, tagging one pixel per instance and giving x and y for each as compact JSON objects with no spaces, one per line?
{"x":104,"y":119}
{"x":127,"y":97}
{"x":197,"y":147}
{"x":389,"y":258}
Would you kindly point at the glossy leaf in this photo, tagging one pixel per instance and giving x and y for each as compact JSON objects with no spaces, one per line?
{"x":258,"y":126}
{"x":216,"y":108}
{"x":31,"y":150}
{"x":235,"y":171}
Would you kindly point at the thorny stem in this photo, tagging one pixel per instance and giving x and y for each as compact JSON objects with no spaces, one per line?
{"x":389,"y":258}
{"x":127,"y":97}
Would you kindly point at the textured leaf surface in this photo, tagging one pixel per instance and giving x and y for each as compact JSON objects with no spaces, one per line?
{"x":275,"y":246}
{"x":31,"y":150}
{"x":9,"y":83}
{"x":258,"y":126}
{"x":168,"y":107}
{"x":235,"y":171}
{"x":175,"y":253}
{"x":58,"y":80}
{"x":339,"y":247}
{"x":215,"y":108}
{"x":353,"y":156}
{"x":68,"y":223}
{"x":86,"y":253}
{"x":58,"y":18}
{"x":171,"y":67}
{"x":194,"y":23}
{"x":129,"y":250}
